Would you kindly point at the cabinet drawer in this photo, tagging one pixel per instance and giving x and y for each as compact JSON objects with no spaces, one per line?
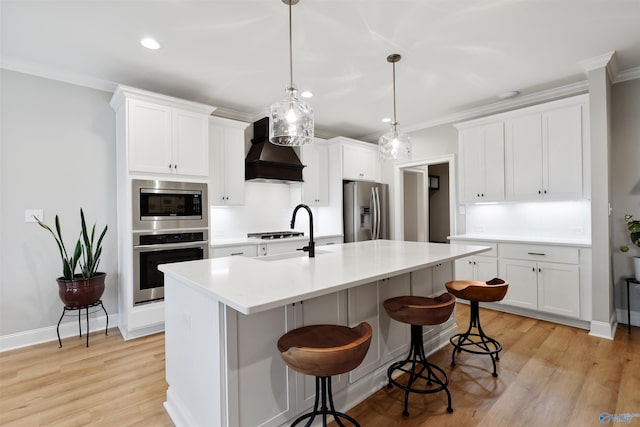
{"x":244,"y":250}
{"x":563,"y":254}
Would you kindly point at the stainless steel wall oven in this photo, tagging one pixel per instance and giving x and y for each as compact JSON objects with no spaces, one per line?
{"x":170,"y":224}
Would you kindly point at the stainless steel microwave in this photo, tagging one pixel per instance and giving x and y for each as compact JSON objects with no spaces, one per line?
{"x":163,"y":205}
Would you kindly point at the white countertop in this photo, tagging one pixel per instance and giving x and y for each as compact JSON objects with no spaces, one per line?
{"x":559,"y":241}
{"x":251,"y":285}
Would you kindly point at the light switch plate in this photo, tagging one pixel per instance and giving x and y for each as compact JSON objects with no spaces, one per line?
{"x":30,"y":213}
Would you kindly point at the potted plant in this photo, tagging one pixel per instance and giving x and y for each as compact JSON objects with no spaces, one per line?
{"x":85,"y":288}
{"x":633,"y":225}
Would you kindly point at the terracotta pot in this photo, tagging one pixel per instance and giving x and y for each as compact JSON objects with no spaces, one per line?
{"x":80,"y":292}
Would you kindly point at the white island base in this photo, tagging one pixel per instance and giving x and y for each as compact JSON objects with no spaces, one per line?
{"x":224,"y":317}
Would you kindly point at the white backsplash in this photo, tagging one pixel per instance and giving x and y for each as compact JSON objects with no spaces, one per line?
{"x":268,"y":207}
{"x":532,"y":219}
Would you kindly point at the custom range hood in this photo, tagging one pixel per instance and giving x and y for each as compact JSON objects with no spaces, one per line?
{"x":268,"y":162}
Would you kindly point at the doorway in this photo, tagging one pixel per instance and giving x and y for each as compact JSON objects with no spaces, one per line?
{"x":424,"y":200}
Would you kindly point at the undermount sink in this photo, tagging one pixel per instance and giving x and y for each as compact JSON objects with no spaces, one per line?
{"x":290,"y":255}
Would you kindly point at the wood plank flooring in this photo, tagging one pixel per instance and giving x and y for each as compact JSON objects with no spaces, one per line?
{"x":549,"y":375}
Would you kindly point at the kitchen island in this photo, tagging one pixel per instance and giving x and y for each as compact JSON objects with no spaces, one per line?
{"x":225,"y":315}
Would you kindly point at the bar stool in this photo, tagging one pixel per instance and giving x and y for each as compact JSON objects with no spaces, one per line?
{"x":325,"y":351}
{"x":419,"y":311}
{"x":477,"y":342}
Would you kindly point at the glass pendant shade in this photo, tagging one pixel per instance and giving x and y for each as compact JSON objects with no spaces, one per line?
{"x":395,"y":145}
{"x":291,"y":121}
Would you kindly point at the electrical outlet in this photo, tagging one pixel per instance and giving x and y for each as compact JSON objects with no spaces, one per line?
{"x":30,"y":213}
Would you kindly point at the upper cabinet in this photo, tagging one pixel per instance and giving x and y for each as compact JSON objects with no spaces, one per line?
{"x":162,"y":135}
{"x":535,"y":153}
{"x":227,"y":150}
{"x":544,"y":155}
{"x":315,"y":189}
{"x":482,"y":163}
{"x":360,"y":160}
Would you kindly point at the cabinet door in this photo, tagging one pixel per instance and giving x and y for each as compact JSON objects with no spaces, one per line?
{"x":562,"y":149}
{"x":486,"y":268}
{"x":442,"y":273}
{"x":227,"y":163}
{"x":261,"y":386}
{"x":493,"y":162}
{"x":464,"y":269}
{"x":472,"y":169}
{"x":523,"y":158}
{"x":394,"y":335}
{"x":422,"y":282}
{"x":149,"y":137}
{"x":190,"y":143}
{"x":559,"y":289}
{"x":240,"y":250}
{"x":522,"y":278}
{"x":360,"y":163}
{"x":316,"y":174}
{"x":328,"y":309}
{"x":363,"y":306}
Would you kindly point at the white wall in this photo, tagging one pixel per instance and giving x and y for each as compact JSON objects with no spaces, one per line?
{"x":625,"y":186}
{"x":57,"y":154}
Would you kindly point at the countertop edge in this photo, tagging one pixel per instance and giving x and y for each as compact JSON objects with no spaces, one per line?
{"x":520,"y":239}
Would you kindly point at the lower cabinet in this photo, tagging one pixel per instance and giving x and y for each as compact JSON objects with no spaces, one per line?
{"x":263,"y":391}
{"x":240,"y":250}
{"x":546,"y":286}
{"x":478,"y":267}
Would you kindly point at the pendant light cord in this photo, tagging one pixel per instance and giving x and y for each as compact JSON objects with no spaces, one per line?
{"x":395,"y":120}
{"x":290,"y":51}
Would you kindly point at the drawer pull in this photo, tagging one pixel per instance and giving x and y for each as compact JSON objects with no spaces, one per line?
{"x":237,"y":253}
{"x":536,"y":253}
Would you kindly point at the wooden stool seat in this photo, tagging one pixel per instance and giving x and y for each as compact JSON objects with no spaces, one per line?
{"x":423,"y":377}
{"x":324,"y":351}
{"x":473,"y":290}
{"x":474,"y":340}
{"x":416,"y":310}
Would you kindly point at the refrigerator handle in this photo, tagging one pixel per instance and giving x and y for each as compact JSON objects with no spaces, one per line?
{"x":374,"y":214}
{"x":375,"y":207}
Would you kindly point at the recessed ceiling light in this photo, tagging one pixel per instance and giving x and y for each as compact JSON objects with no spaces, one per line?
{"x":508,"y":95}
{"x":150,"y":43}
{"x":386,"y":120}
{"x":306,"y":94}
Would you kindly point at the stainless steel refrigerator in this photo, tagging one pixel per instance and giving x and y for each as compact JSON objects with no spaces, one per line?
{"x":366,"y":211}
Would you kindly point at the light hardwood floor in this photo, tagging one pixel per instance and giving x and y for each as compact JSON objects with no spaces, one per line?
{"x":549,"y":375}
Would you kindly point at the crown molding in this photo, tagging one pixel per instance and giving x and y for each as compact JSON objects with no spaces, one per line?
{"x":54,"y":73}
{"x":630,"y":74}
{"x":495,"y":107}
{"x":232,"y":114}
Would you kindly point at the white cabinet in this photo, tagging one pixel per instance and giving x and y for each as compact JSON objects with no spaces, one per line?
{"x":227,"y":140}
{"x":359,"y":160}
{"x":542,"y":278}
{"x":394,"y":335}
{"x":281,"y":247}
{"x":482,"y":163}
{"x":544,"y":154}
{"x":478,"y":267}
{"x":315,"y":189}
{"x":167,"y":140}
{"x":364,"y":306}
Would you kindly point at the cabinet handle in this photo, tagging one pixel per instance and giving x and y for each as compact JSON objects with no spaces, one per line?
{"x":533,"y":269}
{"x":170,"y":165}
{"x":539,"y":270}
{"x":175,"y":166}
{"x":535,"y":253}
{"x":482,"y":195}
{"x":545,"y":191}
{"x":237,"y":253}
{"x":478,"y":195}
{"x":539,"y":192}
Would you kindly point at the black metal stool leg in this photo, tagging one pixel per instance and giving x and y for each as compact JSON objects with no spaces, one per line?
{"x":324,"y":394}
{"x":435,"y":379}
{"x":469,"y":340}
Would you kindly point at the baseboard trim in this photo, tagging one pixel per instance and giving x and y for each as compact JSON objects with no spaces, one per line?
{"x":605,"y":330}
{"x":621,"y":315}
{"x":48,"y":333}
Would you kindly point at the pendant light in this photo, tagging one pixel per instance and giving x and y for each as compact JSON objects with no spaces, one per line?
{"x":394,"y":145}
{"x":291,"y":120}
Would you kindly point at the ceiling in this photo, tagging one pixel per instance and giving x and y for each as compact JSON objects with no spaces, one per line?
{"x":233,"y":54}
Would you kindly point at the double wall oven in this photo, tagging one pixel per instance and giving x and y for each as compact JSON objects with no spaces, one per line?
{"x":170,"y":224}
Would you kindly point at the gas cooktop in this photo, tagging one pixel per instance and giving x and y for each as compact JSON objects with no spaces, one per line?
{"x":275,"y":235}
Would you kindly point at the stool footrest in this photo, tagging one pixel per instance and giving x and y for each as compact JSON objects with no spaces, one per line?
{"x":433,"y":380}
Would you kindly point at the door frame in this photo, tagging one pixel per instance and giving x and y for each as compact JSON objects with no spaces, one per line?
{"x":398,"y":197}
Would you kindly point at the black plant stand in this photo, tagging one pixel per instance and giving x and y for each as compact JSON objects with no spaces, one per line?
{"x":79,"y":310}
{"x":629,"y":281}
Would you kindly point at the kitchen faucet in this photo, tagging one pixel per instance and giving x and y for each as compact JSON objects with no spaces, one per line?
{"x":312,"y":245}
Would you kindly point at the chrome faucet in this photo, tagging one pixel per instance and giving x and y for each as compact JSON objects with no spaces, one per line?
{"x":312,"y":245}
